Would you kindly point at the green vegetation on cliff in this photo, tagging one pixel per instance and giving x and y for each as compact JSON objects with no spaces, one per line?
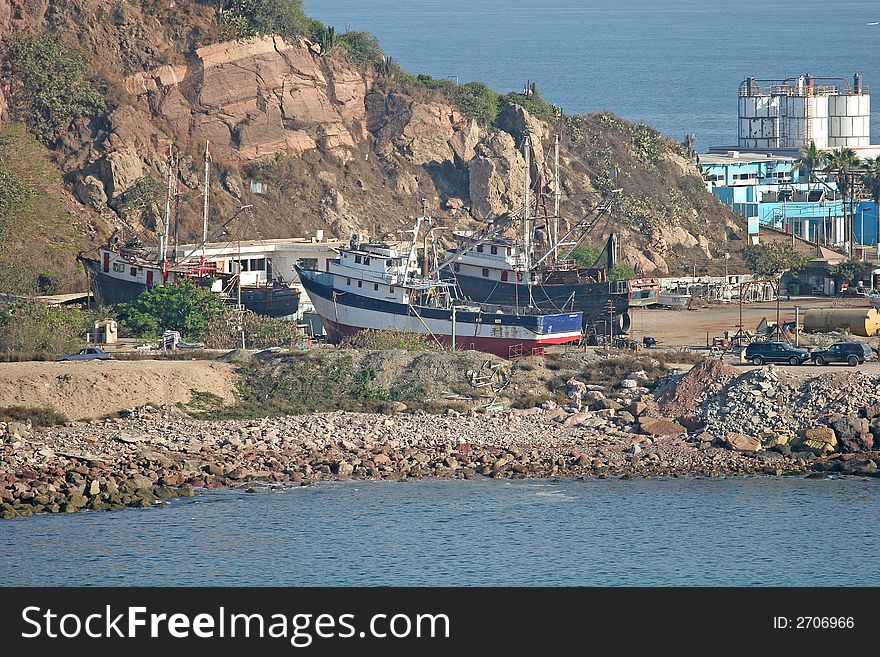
{"x":38,"y":234}
{"x":54,"y":85}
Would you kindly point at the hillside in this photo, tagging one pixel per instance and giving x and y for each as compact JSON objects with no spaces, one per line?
{"x":341,"y":138}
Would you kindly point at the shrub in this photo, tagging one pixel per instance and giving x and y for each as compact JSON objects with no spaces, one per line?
{"x":55,"y":89}
{"x":621,"y":272}
{"x":535,"y":105}
{"x":31,"y":327}
{"x":248,"y":18}
{"x":38,"y":416}
{"x":141,"y":197}
{"x":587,"y":256}
{"x":476,"y":101}
{"x":360,"y":47}
{"x":183,"y":306}
{"x":260,"y":332}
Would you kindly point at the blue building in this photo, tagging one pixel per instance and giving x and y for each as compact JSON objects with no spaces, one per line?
{"x":770,"y":187}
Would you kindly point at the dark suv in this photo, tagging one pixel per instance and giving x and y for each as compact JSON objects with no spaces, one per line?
{"x":843,"y":352}
{"x":759,"y":353}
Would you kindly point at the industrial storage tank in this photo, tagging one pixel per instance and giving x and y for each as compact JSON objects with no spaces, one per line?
{"x":806,"y":120}
{"x":759,"y":121}
{"x":849,"y":118}
{"x":858,"y":321}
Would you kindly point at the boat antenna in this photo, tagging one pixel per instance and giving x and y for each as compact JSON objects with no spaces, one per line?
{"x":205,"y":211}
{"x":527,"y":224}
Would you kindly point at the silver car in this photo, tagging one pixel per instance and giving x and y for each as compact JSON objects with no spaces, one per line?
{"x":89,"y":353}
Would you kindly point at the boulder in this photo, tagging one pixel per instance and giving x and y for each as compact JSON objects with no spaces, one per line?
{"x":742,"y":443}
{"x":120,"y":170}
{"x":660,"y":426}
{"x":495,"y":176}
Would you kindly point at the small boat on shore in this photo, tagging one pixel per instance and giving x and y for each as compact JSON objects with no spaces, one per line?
{"x":376,"y":286}
{"x":674,"y":300}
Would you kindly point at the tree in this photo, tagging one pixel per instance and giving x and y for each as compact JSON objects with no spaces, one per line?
{"x":32,"y":327}
{"x":773,"y":260}
{"x":621,"y":272}
{"x":851,"y":271}
{"x":183,"y":307}
{"x":810,"y":161}
{"x":842,"y":162}
{"x":586,"y":256}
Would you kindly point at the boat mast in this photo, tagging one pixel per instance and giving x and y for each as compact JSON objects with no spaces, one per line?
{"x":555,"y":236}
{"x":205,"y":211}
{"x":176,"y":208}
{"x":527,"y":224}
{"x":163,"y":242}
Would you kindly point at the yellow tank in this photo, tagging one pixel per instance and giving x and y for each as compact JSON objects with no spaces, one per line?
{"x":858,"y":321}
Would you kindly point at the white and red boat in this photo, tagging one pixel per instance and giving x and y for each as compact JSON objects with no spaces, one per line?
{"x":374,"y":285}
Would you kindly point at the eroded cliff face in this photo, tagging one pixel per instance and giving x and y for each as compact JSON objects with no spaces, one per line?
{"x":332,"y":145}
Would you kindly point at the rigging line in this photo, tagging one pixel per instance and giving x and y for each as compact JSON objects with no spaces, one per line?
{"x":430,"y":332}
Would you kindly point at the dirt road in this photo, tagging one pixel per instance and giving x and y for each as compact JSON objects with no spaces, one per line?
{"x":86,"y":390}
{"x":678,"y":328}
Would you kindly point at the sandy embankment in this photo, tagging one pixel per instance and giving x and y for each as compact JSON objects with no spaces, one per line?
{"x":87,"y":390}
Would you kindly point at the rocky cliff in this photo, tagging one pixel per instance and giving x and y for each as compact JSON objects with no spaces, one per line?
{"x":336,"y":145}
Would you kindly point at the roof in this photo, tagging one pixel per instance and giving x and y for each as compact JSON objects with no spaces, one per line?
{"x":743,"y":157}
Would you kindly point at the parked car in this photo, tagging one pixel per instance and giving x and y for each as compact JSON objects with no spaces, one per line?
{"x":89,"y":353}
{"x":759,"y":353}
{"x":852,"y":353}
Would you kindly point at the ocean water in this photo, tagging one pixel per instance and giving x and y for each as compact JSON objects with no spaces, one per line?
{"x":756,"y":531}
{"x":674,"y":64}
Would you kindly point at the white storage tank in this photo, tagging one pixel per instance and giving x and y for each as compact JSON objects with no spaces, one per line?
{"x":849,"y":120}
{"x":759,"y":121}
{"x":806,"y":120}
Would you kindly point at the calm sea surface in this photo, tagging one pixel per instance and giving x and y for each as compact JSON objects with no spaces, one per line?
{"x":761,"y":531}
{"x":674,"y":64}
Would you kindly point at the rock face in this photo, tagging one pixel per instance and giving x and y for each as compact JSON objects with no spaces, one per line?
{"x":496,"y":176}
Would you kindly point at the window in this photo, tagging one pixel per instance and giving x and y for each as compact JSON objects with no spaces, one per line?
{"x":360,"y":283}
{"x":244,"y":265}
{"x":503,"y":275}
{"x":366,"y":261}
{"x":494,"y":250}
{"x":357,"y":260}
{"x":348,"y":281}
{"x":309,"y":263}
{"x":258,"y":264}
{"x":479,"y":248}
{"x":133,"y":271}
{"x":485,"y":272}
{"x":456,"y":267}
{"x":391,"y":289}
{"x":118,"y":267}
{"x":375,"y":287}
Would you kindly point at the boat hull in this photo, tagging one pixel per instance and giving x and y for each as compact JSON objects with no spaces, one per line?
{"x":271,"y":301}
{"x":506,"y":335}
{"x":110,"y":291}
{"x":592,"y":299}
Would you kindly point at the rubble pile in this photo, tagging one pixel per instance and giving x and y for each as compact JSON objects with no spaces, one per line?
{"x":835,"y":394}
{"x":683,"y":398}
{"x":758,"y":401}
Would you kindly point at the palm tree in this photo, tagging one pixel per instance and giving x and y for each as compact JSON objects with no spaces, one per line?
{"x":871,"y":180}
{"x":810,"y":161}
{"x":842,"y":162}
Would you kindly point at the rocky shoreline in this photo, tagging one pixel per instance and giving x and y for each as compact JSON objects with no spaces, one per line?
{"x":713,"y":421}
{"x":155,"y":454}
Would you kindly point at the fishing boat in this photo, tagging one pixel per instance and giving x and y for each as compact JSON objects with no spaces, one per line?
{"x":375,"y":285}
{"x":123,"y":270}
{"x":522,"y":260}
{"x":674,"y":300}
